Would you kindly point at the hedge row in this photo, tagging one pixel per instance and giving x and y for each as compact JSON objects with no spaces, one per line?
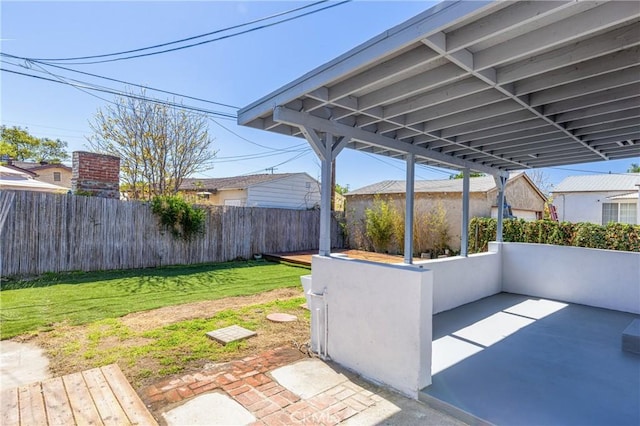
{"x":614,"y":236}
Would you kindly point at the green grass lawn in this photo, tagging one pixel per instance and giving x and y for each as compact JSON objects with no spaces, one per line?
{"x":80,"y":298}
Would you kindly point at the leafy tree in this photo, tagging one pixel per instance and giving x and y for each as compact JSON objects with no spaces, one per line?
{"x":634,"y":168}
{"x":342,"y":189}
{"x":53,"y":151}
{"x":158,"y":145}
{"x":461,"y":175}
{"x":19,"y":144}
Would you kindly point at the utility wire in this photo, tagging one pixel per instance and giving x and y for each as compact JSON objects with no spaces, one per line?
{"x":252,"y":142}
{"x":69,"y":61}
{"x":124,"y":52}
{"x":36,"y":61}
{"x":129,"y":95}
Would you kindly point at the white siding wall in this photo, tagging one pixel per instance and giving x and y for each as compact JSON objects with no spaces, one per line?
{"x":582,"y":206}
{"x":292,"y":192}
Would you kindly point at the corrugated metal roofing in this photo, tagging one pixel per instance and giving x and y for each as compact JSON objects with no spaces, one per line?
{"x":233,"y":182}
{"x":477,"y":184}
{"x":596,"y":183}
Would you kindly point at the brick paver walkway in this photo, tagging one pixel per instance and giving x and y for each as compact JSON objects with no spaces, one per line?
{"x":248,"y":382}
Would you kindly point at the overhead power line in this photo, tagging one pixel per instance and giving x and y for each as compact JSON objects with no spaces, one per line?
{"x":140,"y":55}
{"x":34,"y":61}
{"x":129,"y":95}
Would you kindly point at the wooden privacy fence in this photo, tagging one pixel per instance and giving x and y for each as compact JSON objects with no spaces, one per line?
{"x":53,"y":233}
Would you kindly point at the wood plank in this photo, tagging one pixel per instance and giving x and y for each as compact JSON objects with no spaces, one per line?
{"x":84,"y":410}
{"x":56,"y":402}
{"x":107,"y":404}
{"x":129,"y":400}
{"x":9,"y":408}
{"x":32,"y":411}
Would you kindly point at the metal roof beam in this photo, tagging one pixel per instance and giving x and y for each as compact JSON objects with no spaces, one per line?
{"x":469,"y":62}
{"x":593,"y":99}
{"x":512,"y":17}
{"x":603,"y":44}
{"x":573,"y":28}
{"x":594,"y":67}
{"x":595,"y":111}
{"x":296,"y":118}
{"x":585,"y":87}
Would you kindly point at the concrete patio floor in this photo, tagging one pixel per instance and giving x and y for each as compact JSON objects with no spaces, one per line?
{"x":519,"y":360}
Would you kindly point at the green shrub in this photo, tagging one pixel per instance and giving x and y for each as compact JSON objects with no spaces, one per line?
{"x":614,"y":236}
{"x":181,"y":219}
{"x":380,"y":223}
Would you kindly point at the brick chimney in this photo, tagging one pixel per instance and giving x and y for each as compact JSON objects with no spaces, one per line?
{"x":96,"y":174}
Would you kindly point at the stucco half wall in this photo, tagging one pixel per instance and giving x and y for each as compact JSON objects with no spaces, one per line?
{"x":601,"y":278}
{"x":379,"y":319}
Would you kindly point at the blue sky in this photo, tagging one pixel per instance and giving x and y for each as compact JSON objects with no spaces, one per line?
{"x":234,"y":71}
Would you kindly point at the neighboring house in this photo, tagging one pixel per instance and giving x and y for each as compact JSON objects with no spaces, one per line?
{"x":12,"y":179}
{"x":54,"y":173}
{"x":526,"y":200}
{"x":598,"y":198}
{"x":282,"y":190}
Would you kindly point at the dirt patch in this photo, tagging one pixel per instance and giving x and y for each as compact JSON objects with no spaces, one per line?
{"x":140,"y":321}
{"x":127,"y":342}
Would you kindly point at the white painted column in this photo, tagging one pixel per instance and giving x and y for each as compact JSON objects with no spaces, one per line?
{"x":325,"y":198}
{"x":408,"y":214}
{"x":464,"y":234}
{"x":638,"y":206}
{"x":501,"y":183}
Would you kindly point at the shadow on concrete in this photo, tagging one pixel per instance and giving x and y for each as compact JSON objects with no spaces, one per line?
{"x":519,"y":360}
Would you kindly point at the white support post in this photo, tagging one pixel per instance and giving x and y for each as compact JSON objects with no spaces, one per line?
{"x":464,"y":240}
{"x":408,"y":214}
{"x":325,"y":197}
{"x":501,"y":182}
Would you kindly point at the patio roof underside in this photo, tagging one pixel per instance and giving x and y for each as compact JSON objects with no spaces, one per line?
{"x":492,"y":86}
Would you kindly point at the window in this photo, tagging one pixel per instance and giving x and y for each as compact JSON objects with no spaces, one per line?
{"x":56,"y":177}
{"x":620,"y":213}
{"x":628,"y":213}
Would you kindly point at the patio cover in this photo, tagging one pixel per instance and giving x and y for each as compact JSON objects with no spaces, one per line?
{"x":490,"y":86}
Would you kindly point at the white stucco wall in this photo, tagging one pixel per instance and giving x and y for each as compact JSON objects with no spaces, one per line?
{"x":379,"y":319}
{"x":460,"y":280}
{"x":602,"y":278}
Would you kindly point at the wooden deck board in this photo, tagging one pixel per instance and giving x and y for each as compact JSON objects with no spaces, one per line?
{"x":9,"y":410}
{"x":107,"y":404}
{"x":32,"y":410}
{"x":84,"y":409}
{"x":56,"y":402}
{"x":100,"y":396}
{"x":304,"y":257}
{"x":129,"y":400}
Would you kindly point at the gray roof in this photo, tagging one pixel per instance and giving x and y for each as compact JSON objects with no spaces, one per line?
{"x":598,"y":183}
{"x":476,"y":184}
{"x":233,"y":182}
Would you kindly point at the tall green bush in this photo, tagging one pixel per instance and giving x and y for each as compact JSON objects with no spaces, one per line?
{"x":176,"y":215}
{"x":614,"y":236}
{"x":380,"y":224}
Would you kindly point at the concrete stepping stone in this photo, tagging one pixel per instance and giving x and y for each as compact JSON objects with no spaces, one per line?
{"x":231,"y":334}
{"x":278,"y":317}
{"x":209,"y":409}
{"x":307,"y":378}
